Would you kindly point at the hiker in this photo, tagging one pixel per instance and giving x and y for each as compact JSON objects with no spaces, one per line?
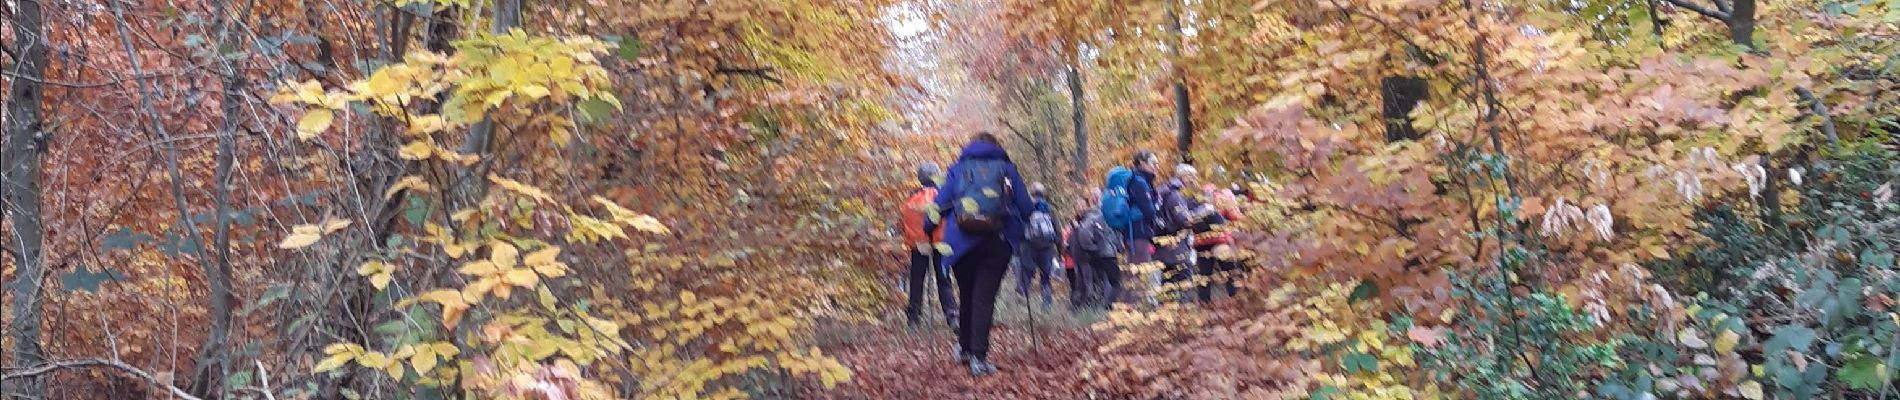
{"x":985,"y":211}
{"x":1214,"y":246}
{"x":921,"y":235}
{"x":1093,"y":245}
{"x":1179,"y":214}
{"x":1038,"y":256}
{"x":1079,"y":296}
{"x":1130,"y":207}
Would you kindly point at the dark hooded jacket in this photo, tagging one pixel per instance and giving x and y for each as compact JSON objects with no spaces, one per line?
{"x":1019,"y":204}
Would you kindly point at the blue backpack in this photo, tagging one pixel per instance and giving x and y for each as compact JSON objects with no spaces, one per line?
{"x":1115,"y":208}
{"x":982,"y":195}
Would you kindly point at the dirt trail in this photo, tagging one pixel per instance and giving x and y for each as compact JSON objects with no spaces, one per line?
{"x":891,"y":361}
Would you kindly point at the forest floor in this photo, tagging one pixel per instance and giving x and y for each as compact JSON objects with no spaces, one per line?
{"x":889,"y":360}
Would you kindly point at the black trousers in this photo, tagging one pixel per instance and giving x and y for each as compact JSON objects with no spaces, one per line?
{"x":1209,"y":266}
{"x":1108,"y":278}
{"x":1079,"y":278}
{"x":979,"y":275}
{"x":923,"y":265}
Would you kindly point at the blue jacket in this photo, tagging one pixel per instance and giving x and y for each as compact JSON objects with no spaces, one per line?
{"x":1141,"y":197}
{"x":1019,"y":204}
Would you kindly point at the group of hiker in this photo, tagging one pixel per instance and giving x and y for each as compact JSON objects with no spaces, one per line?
{"x":976,"y":224}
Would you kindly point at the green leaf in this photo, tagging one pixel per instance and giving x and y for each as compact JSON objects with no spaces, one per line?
{"x":1789,"y":337}
{"x":630,"y":49}
{"x":1863,"y":373}
{"x":417,"y":212}
{"x":594,"y":111}
{"x":1366,"y":290}
{"x":1324,"y":392}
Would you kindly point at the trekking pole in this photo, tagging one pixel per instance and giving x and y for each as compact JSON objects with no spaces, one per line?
{"x":1035,"y":342}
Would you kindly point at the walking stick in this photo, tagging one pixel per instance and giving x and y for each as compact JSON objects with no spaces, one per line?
{"x":1035,"y":341}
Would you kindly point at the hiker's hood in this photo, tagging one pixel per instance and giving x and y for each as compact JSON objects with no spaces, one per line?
{"x":980,"y":150}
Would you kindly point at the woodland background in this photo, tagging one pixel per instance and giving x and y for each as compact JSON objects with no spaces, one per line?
{"x":694,"y":199}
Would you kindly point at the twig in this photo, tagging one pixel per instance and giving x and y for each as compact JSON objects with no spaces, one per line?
{"x":264,"y":378}
{"x":96,"y":363}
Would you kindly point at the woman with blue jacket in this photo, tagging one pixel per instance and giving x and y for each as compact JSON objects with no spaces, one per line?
{"x":980,"y":258}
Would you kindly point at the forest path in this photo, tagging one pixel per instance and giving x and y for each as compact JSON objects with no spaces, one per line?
{"x":889,"y":360}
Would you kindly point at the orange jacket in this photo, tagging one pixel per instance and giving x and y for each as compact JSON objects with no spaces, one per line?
{"x":915,"y":218}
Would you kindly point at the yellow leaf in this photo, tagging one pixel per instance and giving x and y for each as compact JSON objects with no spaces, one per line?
{"x":418,"y":149}
{"x":542,"y":348}
{"x":452,"y":303}
{"x":373,"y":360}
{"x":446,"y":349}
{"x":333,"y":362}
{"x":314,"y":122}
{"x":385,"y":82}
{"x":341,"y":348}
{"x":411,"y":182}
{"x":504,"y":255}
{"x":1726,"y":341}
{"x":424,"y":360}
{"x":379,"y":281}
{"x":1751,"y":390}
{"x":426,"y":124}
{"x":300,"y":238}
{"x":648,"y":224}
{"x":554,"y":270}
{"x":495,"y":98}
{"x":479,"y":268}
{"x":370,"y":268}
{"x":395,"y":370}
{"x":332,"y":225}
{"x":522,"y":278}
{"x":533,"y":91}
{"x":542,"y":257}
{"x":520,"y":188}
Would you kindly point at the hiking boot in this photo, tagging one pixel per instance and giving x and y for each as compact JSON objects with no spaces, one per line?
{"x":957,"y":353}
{"x":980,"y":367}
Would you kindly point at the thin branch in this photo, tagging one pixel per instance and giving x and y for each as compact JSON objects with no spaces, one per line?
{"x":49,"y":367}
{"x":758,"y":72}
{"x":1819,"y":109}
{"x":1720,"y":15}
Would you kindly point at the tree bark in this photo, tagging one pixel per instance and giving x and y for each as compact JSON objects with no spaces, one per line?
{"x":213,"y":361}
{"x":25,"y":142}
{"x":1183,"y":124}
{"x":1080,"y":121}
{"x":470,"y":183}
{"x":1741,"y":24}
{"x":1400,"y":95}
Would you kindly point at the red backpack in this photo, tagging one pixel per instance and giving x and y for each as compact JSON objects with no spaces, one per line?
{"x":915,"y":215}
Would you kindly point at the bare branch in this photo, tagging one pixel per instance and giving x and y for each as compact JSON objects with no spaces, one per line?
{"x":49,"y":367}
{"x":759,"y":72}
{"x":1699,"y":9}
{"x":1816,"y":107}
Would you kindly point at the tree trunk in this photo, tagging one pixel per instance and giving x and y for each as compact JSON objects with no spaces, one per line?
{"x":25,"y":142}
{"x":1741,"y":24}
{"x":469,"y":184}
{"x":1080,"y":122}
{"x":1183,"y":125}
{"x":1401,"y":94}
{"x":213,"y":361}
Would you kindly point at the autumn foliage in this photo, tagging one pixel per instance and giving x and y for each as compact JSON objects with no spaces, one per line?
{"x":669,"y":199}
